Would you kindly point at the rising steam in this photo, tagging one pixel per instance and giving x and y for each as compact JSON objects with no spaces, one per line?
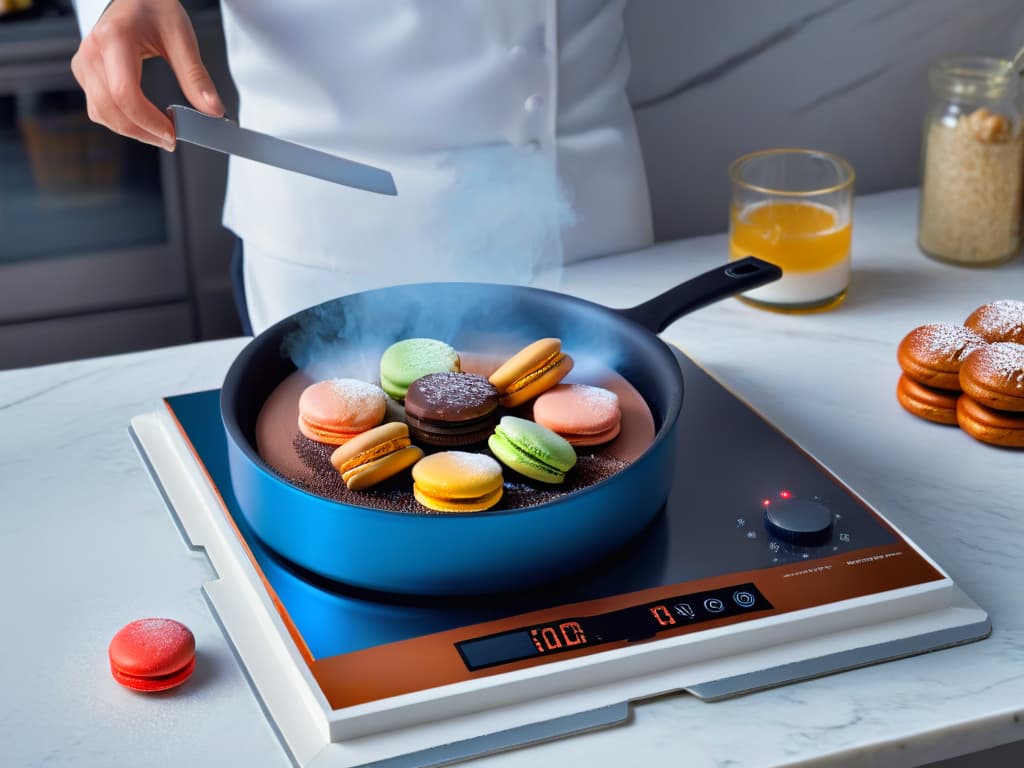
{"x":500,"y":219}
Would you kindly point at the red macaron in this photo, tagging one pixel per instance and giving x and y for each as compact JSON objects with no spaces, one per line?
{"x":152,"y":654}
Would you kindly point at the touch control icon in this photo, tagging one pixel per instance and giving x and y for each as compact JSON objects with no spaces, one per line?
{"x":714,"y":605}
{"x":743,"y":599}
{"x":684,"y":610}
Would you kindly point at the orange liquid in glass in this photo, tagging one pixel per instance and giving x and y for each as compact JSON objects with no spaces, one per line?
{"x":797,"y":236}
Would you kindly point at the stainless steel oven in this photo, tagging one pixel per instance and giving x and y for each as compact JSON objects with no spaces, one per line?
{"x":92,"y":259}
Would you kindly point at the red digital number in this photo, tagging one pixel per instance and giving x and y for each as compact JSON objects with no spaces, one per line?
{"x":573,"y":633}
{"x":546,"y":639}
{"x":566,"y":634}
{"x":662,"y":616}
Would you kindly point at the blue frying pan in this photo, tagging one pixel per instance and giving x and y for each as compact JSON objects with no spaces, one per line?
{"x":494,"y":551}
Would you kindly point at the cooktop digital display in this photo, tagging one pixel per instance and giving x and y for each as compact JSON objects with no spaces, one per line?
{"x":633,"y":624}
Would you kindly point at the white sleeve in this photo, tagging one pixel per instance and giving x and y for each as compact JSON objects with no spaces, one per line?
{"x":89,"y":12}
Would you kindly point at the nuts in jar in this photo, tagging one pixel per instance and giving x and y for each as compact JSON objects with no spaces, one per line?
{"x":973,"y":165}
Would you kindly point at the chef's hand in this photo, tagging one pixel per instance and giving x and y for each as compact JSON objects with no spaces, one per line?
{"x":108,"y":66}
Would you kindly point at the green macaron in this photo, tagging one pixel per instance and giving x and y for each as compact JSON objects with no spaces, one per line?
{"x":407,"y":360}
{"x":532,"y":450}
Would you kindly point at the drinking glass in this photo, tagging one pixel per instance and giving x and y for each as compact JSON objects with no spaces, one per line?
{"x":794,"y":208}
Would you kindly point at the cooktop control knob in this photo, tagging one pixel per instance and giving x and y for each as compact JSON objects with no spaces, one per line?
{"x":799,"y":521}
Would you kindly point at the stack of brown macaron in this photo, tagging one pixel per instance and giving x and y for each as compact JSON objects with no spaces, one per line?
{"x":453,"y":415}
{"x":970,"y":375}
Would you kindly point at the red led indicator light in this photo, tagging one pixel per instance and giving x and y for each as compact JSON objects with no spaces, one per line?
{"x":766,"y":502}
{"x":784,"y":494}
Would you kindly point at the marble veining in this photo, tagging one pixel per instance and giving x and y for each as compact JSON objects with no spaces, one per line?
{"x":741,"y":57}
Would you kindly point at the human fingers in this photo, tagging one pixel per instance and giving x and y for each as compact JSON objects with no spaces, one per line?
{"x":122,"y":69}
{"x":102,"y":108}
{"x":182,"y":52}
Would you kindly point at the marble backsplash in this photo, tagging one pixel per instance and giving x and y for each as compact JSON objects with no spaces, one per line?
{"x":713,"y":80}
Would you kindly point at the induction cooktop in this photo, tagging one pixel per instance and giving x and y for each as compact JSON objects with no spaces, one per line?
{"x":763,"y":569}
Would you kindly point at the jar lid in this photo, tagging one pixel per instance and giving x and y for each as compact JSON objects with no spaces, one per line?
{"x":973,"y":76}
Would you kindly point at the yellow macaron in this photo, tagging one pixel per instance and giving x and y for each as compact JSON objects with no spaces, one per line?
{"x":375,"y":455}
{"x":457,"y":481}
{"x":532,"y":370}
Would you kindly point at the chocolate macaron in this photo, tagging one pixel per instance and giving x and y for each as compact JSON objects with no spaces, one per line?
{"x":938,"y":405}
{"x":1002,"y":428}
{"x":451,"y":409}
{"x":1001,"y":320}
{"x":994,"y":376}
{"x":932,"y":354}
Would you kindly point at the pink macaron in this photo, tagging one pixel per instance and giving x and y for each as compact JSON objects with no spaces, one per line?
{"x":582,"y":414}
{"x":336,"y":410}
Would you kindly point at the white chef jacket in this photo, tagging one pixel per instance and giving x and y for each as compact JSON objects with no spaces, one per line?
{"x":504,"y":122}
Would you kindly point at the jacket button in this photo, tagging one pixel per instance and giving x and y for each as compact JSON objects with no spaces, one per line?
{"x":534,"y":103}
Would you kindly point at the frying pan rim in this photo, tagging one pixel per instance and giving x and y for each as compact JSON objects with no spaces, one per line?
{"x":666,"y":428}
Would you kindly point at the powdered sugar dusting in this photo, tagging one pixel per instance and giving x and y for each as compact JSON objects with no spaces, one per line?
{"x":473,"y":463}
{"x":595,"y":397}
{"x":1001,"y":320}
{"x":1003,"y":362}
{"x":350,"y":397}
{"x":455,"y":390}
{"x":356,"y":392}
{"x":146,"y":645}
{"x":945,"y":341}
{"x":159,"y":633}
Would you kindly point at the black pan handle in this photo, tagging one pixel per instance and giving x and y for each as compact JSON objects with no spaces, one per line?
{"x":719,"y":283}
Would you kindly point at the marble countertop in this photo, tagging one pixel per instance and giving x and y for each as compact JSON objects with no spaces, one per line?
{"x":88,"y":544}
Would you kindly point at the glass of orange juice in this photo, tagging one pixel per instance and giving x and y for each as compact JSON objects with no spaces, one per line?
{"x":794,"y":208}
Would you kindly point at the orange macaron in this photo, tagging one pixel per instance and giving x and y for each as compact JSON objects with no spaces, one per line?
{"x":375,"y":455}
{"x":336,"y":410}
{"x":932,"y":354}
{"x":532,"y":370}
{"x":938,"y":405}
{"x":457,"y":481}
{"x":584,"y":415}
{"x":152,"y":654}
{"x":1001,"y":320}
{"x":994,"y":376}
{"x":1003,"y":428}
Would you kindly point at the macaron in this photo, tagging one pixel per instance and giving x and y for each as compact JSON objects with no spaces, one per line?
{"x":457,"y":481}
{"x":152,"y":654}
{"x":451,"y":409}
{"x":532,"y":450}
{"x":532,"y":370}
{"x":938,"y":405}
{"x":932,"y":354}
{"x":1003,"y":428}
{"x":375,"y":455}
{"x":584,"y":415}
{"x":407,"y":360}
{"x":336,"y":410}
{"x":1001,"y":320}
{"x":994,"y":376}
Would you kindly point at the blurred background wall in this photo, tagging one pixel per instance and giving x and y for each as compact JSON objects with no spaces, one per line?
{"x":714,"y":80}
{"x":108,"y":246}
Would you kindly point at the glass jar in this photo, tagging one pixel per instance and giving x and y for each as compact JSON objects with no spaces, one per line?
{"x":973,"y":162}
